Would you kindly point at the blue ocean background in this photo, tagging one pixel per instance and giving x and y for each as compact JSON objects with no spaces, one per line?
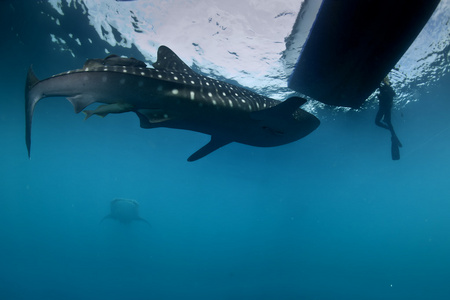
{"x":328,"y":217}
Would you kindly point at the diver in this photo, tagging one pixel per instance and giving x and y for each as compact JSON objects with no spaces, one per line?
{"x":383,"y":118}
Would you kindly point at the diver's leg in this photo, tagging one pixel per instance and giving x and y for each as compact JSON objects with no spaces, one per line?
{"x":378,"y":118}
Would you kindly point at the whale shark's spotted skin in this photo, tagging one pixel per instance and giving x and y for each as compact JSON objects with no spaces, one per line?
{"x":172,"y":95}
{"x":204,"y":89}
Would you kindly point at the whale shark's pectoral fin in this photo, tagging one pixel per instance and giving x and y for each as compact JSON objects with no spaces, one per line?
{"x":214,"y":144}
{"x":106,"y":217}
{"x":145,"y":221}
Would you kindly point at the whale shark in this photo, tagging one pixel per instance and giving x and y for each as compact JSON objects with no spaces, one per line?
{"x":125,"y":211}
{"x":170,"y":94}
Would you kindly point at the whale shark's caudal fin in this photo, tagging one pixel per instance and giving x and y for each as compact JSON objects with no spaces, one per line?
{"x":32,"y":80}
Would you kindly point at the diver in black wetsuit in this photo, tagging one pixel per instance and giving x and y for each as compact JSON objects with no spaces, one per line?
{"x":383,"y":118}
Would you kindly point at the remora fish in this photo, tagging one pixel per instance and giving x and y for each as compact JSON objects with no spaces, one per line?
{"x":125,"y":211}
{"x":172,"y":95}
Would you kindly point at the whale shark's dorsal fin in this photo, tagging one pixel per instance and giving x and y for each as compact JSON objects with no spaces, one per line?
{"x":169,"y":61}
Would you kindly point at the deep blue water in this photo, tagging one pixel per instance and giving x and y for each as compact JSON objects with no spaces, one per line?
{"x":328,"y":217}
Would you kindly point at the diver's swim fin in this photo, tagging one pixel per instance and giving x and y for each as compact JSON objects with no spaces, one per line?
{"x":395,"y":151}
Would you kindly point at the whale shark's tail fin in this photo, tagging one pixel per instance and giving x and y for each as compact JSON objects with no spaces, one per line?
{"x":30,"y":103}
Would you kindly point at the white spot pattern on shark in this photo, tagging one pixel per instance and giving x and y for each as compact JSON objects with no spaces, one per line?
{"x":172,"y":95}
